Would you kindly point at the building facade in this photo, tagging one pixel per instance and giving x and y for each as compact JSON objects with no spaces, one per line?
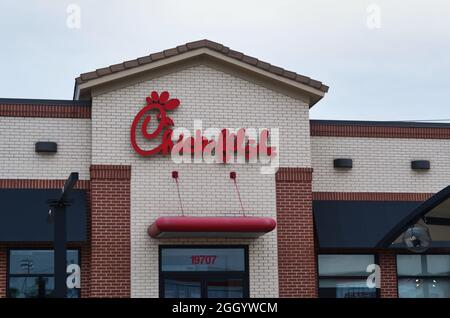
{"x":141,"y":224}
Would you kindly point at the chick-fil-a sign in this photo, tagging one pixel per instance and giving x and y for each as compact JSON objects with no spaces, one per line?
{"x":226,"y":145}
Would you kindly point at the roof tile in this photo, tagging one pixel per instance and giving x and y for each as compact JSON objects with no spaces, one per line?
{"x":315,"y":84}
{"x":144,"y":60}
{"x":88,"y":76}
{"x":196,"y":44}
{"x":235,"y":54}
{"x":170,"y":52}
{"x":182,"y":48}
{"x":250,"y":60}
{"x":157,"y":56}
{"x":117,"y":67}
{"x":103,"y":71}
{"x":302,"y":79}
{"x":289,"y":74}
{"x":131,"y":63}
{"x":202,"y":44}
{"x":276,"y":70}
{"x":263,"y":65}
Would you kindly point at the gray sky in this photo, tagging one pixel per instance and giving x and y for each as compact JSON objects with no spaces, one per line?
{"x":399,"y":71}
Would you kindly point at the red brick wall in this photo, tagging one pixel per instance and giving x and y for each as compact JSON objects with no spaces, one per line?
{"x":366,"y":130}
{"x":297,"y":270}
{"x":55,"y":110}
{"x":110,"y":231}
{"x":388,"y":267}
{"x":371,"y":196}
{"x":2,"y":272}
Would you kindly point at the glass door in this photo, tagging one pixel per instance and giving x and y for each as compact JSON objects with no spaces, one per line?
{"x":203,"y":272}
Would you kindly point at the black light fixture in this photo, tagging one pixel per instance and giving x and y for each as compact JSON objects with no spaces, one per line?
{"x":417,"y":238}
{"x":343,"y":163}
{"x":420,"y":164}
{"x":46,"y":147}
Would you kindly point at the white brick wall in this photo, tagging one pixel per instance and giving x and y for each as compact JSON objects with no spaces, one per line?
{"x":220,"y":100}
{"x":380,"y":164}
{"x":19,"y":160}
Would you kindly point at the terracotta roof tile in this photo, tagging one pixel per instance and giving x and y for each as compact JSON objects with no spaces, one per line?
{"x":131,"y":63}
{"x":263,"y":65}
{"x":103,"y":71}
{"x":250,"y":60}
{"x":157,"y":56}
{"x":170,"y":52}
{"x":182,"y":48}
{"x":197,"y":45}
{"x":276,"y":70}
{"x":144,"y":60}
{"x":117,"y":67}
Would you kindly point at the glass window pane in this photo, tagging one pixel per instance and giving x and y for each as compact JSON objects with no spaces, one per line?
{"x":182,"y":288}
{"x":424,"y":288}
{"x":409,"y":265}
{"x":30,"y":287}
{"x":344,"y":265}
{"x":31,"y":262}
{"x":438,"y":264}
{"x":225,"y":288}
{"x":423,"y":265}
{"x":36,"y":261}
{"x":345,"y":288}
{"x":203,"y":259}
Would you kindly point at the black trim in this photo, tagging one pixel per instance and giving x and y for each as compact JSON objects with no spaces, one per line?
{"x":437,"y":221}
{"x":55,"y":102}
{"x":420,"y":164}
{"x":204,"y":276}
{"x":407,"y":124}
{"x":413,"y":217}
{"x":346,"y":163}
{"x":46,"y":146}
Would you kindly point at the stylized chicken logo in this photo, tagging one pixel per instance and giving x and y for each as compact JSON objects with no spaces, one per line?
{"x":160,"y":103}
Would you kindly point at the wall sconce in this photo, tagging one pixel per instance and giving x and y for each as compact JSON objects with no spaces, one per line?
{"x":420,"y":164}
{"x":46,"y":147}
{"x":343,"y":163}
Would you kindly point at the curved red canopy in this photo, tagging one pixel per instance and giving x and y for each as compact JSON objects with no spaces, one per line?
{"x":187,"y":226}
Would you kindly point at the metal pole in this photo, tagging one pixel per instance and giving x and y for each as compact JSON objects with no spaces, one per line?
{"x":60,"y":257}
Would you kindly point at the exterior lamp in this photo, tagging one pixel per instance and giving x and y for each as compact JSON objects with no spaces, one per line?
{"x":417,"y":238}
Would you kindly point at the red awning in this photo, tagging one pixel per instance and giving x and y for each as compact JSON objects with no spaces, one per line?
{"x":187,"y":226}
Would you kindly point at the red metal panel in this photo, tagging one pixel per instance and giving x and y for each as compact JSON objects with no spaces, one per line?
{"x":182,"y":226}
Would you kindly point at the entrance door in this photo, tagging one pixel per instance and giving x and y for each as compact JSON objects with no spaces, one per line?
{"x":203,"y":272}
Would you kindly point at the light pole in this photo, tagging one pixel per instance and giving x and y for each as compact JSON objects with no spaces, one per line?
{"x":58,"y":216}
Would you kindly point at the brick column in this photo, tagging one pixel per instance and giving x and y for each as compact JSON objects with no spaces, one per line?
{"x":3,"y":259}
{"x":297,"y":271}
{"x":389,"y":282}
{"x":110,"y":231}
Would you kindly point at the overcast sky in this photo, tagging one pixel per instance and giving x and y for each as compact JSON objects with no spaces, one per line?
{"x":391,"y":66}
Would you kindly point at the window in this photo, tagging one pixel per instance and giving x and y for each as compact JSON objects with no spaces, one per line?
{"x":31,"y":273}
{"x":423,"y":276}
{"x":345,"y":276}
{"x":203,"y":272}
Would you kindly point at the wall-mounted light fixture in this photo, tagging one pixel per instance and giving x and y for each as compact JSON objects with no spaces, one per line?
{"x":420,"y":165}
{"x":46,"y":147}
{"x":346,"y":163}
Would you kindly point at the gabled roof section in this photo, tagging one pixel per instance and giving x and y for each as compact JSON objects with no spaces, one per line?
{"x":311,"y":86}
